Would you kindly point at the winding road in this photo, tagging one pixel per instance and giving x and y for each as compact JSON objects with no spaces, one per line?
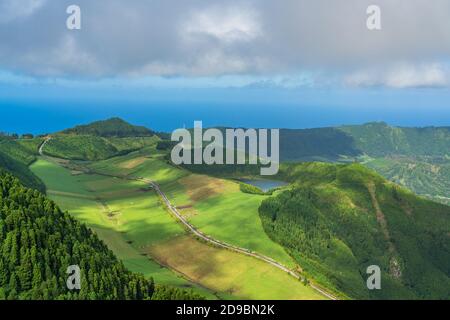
{"x":209,"y":239}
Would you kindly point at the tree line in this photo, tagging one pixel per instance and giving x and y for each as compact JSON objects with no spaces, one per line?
{"x":38,"y":242}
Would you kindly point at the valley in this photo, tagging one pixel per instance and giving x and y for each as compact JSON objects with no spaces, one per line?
{"x":223,"y":233}
{"x":134,"y":223}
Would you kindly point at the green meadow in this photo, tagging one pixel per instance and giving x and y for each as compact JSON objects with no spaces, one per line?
{"x":232,"y":274}
{"x":135,"y":225}
{"x":328,"y":224}
{"x":215,"y":206}
{"x":119,"y":221}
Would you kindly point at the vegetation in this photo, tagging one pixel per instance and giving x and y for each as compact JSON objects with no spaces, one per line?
{"x":340,"y":219}
{"x":114,"y":127}
{"x":37,"y":244}
{"x":31,"y":145}
{"x":248,"y":188}
{"x":119,"y":213}
{"x":129,"y":144}
{"x":100,"y":140}
{"x":15,"y":158}
{"x":378,"y":139}
{"x":424,"y":176}
{"x":417,"y":158}
{"x":135,"y":225}
{"x":316,"y":144}
{"x":80,"y":148}
{"x":21,"y":171}
{"x":231,"y":274}
{"x":333,"y":222}
{"x":215,"y":206}
{"x":16,"y":150}
{"x":171,"y":293}
{"x":93,"y":148}
{"x":165,"y":145}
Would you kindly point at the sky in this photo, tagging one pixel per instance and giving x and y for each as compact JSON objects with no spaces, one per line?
{"x":263,"y":63}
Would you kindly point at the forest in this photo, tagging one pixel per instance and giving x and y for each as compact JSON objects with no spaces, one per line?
{"x":38,"y":242}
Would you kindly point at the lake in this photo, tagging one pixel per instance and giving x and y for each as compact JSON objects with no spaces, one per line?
{"x":264,"y":184}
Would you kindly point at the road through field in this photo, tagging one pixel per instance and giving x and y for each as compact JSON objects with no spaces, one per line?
{"x":218,"y":243}
{"x":209,"y":239}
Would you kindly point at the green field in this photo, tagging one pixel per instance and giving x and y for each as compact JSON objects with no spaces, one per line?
{"x":215,"y":206}
{"x":134,"y":224}
{"x":91,"y":198}
{"x":328,"y":224}
{"x":236,"y":275}
{"x":221,"y":210}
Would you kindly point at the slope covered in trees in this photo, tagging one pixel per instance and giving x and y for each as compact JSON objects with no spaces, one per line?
{"x":340,"y":219}
{"x":38,"y":242}
{"x":316,"y":144}
{"x":21,"y":171}
{"x":14,"y":149}
{"x":93,"y":148}
{"x":428,"y":177}
{"x":114,"y":127}
{"x":15,"y":158}
{"x":417,"y":158}
{"x":100,"y":140}
{"x":378,"y":139}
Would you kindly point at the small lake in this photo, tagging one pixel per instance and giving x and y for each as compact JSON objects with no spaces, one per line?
{"x":265,"y":185}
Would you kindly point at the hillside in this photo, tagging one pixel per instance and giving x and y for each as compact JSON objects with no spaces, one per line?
{"x":378,"y":139}
{"x":21,"y":171}
{"x":340,"y":219}
{"x":316,"y":144}
{"x":38,"y":242}
{"x":336,"y":220}
{"x":428,"y":177}
{"x":375,"y":139}
{"x":14,"y":149}
{"x":114,"y":127}
{"x":93,"y":148}
{"x":100,"y":140}
{"x":417,"y":158}
{"x":14,"y":159}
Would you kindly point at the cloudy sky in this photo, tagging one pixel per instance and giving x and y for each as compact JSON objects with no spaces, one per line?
{"x":282,"y":44}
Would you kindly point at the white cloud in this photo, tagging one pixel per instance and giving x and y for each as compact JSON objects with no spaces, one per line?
{"x":402,"y":76}
{"x":210,"y":63}
{"x":14,"y":9}
{"x":432,"y":75}
{"x":224,"y":23}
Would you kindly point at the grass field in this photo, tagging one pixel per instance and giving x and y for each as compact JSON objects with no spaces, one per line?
{"x":227,"y":272}
{"x":123,"y":223}
{"x":221,"y":210}
{"x":216,"y":206}
{"x":134,"y":224}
